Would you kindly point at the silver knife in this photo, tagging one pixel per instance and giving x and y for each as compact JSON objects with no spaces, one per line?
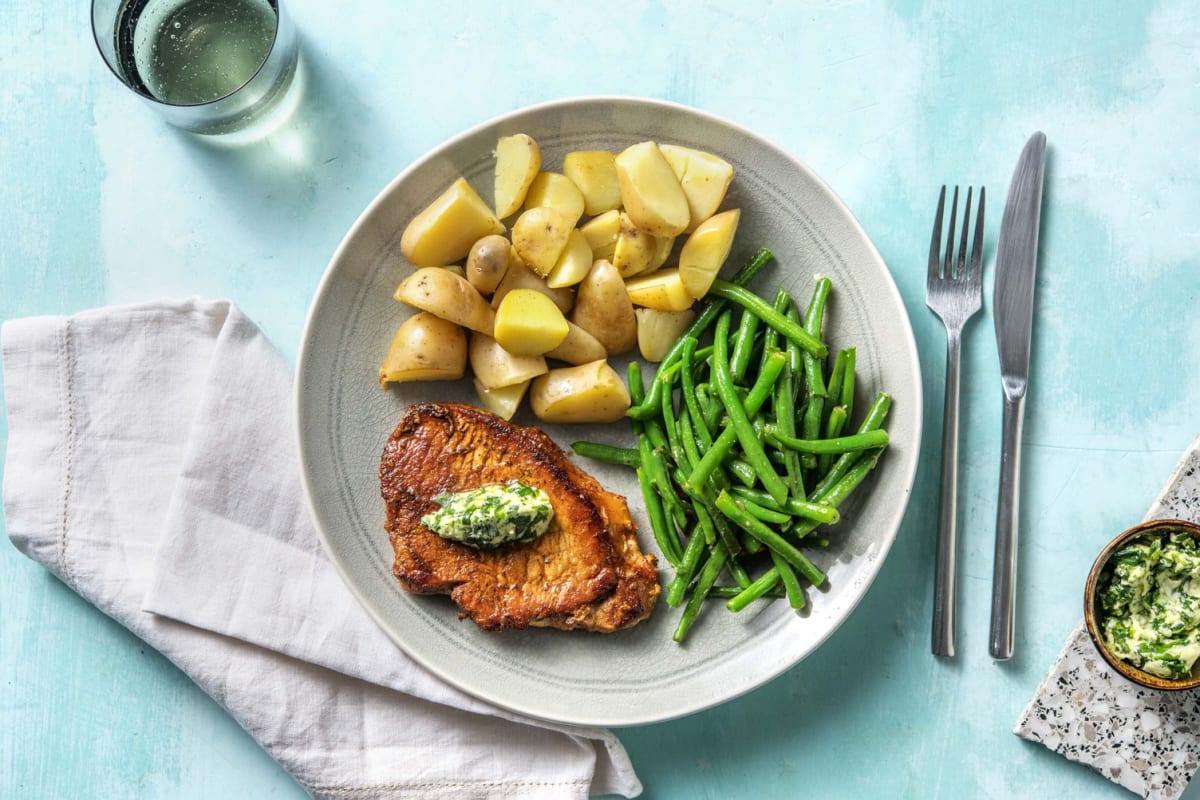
{"x":1012,"y":305}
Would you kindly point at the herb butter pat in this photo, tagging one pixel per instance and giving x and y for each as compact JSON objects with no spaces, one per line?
{"x":1150,"y":596}
{"x":491,"y":516}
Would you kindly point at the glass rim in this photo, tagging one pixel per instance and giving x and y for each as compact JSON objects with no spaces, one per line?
{"x":276,"y":5}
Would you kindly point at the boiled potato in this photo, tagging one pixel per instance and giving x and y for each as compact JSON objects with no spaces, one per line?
{"x":520,"y":276}
{"x":603,"y":309}
{"x":601,"y":233}
{"x":518,"y":161}
{"x":554,"y":190}
{"x":529,"y":324}
{"x":540,"y":235}
{"x":487,"y":262}
{"x":662,"y":251}
{"x":635,"y":250}
{"x":579,"y":347}
{"x":705,"y":251}
{"x":662,"y":290}
{"x":590,"y":392}
{"x":503,"y":401}
{"x":446,"y":295}
{"x":425,"y":348}
{"x":595,"y":173}
{"x":495,"y":367}
{"x":650,"y":192}
{"x":444,"y":231}
{"x":704,"y":178}
{"x":658,"y":330}
{"x":573,"y":264}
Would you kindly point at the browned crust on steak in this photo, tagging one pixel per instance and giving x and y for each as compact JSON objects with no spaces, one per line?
{"x":586,"y":571}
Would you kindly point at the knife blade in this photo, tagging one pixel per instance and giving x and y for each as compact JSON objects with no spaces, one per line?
{"x":1012,"y":307}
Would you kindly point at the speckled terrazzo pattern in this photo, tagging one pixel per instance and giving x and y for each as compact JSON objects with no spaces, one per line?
{"x":1145,"y":740}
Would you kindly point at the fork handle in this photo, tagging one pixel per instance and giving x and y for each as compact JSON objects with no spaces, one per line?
{"x":944,"y":591}
{"x":1004,"y":569}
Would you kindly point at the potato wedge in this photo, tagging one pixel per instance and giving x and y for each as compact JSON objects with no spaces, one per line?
{"x":662,"y":290}
{"x":601,"y":233}
{"x":503,"y":401}
{"x":663,"y":245}
{"x":529,"y":324}
{"x":704,"y":178}
{"x":591,"y":392}
{"x":635,"y":250}
{"x":487,"y":262}
{"x":650,"y":192}
{"x":446,"y":295}
{"x":554,"y":190}
{"x":595,"y":173}
{"x":603,"y":309}
{"x":518,"y":161}
{"x":540,"y":235}
{"x":494,"y":367}
{"x":579,"y":347}
{"x":520,"y":276}
{"x":573,"y":264}
{"x":658,"y":330}
{"x":443,"y":232}
{"x":425,"y":348}
{"x":705,"y":251}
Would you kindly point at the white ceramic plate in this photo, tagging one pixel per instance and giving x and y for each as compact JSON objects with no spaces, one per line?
{"x":639,"y":675}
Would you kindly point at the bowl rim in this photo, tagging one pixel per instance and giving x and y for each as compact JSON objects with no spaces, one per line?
{"x":1092,"y":615}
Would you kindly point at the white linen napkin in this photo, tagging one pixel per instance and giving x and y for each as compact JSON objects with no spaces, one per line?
{"x":151,"y":467}
{"x":1143,"y":739}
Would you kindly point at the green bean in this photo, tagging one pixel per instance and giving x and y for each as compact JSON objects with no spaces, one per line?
{"x":762,"y":512}
{"x":687,"y":569}
{"x":817,"y":512}
{"x":633,"y":377}
{"x":784,"y":406}
{"x":833,"y":429}
{"x":691,"y":399}
{"x":742,"y":471}
{"x":841,"y":444}
{"x":814,"y":376}
{"x":706,"y":317}
{"x":762,"y":309}
{"x":735,"y":569}
{"x":737,"y":514}
{"x":743,"y":346}
{"x":874,"y":419}
{"x":664,"y":531}
{"x":725,"y":592}
{"x":708,"y":576}
{"x":791,"y":584}
{"x":621,"y":456}
{"x":847,"y":398}
{"x":754,"y":591}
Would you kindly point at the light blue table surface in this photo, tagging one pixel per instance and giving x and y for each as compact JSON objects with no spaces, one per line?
{"x":101,"y":202}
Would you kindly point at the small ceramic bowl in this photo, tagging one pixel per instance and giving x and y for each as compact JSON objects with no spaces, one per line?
{"x":1093,"y":614}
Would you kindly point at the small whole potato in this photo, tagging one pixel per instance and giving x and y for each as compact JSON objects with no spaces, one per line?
{"x":425,"y":348}
{"x":488,"y":262}
{"x":603,"y":309}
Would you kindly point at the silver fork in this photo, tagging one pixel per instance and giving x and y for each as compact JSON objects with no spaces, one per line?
{"x":954,"y":292}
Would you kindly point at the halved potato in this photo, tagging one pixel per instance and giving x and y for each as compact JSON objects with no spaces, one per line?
{"x":662,"y":251}
{"x":705,"y":251}
{"x":662,"y":290}
{"x":520,"y":276}
{"x":595,"y":173}
{"x":650,"y":192}
{"x":529,"y":324}
{"x":518,"y":161}
{"x":704,"y":178}
{"x":635,"y":250}
{"x":658,"y":330}
{"x":590,"y":392}
{"x":540,"y":235}
{"x":579,"y":347}
{"x":553,"y":190}
{"x":494,"y":366}
{"x":503,"y":401}
{"x":446,"y":295}
{"x":603,"y":309}
{"x":601,"y":233}
{"x":444,"y":231}
{"x":425,"y":348}
{"x":487,"y":262}
{"x":573,"y":264}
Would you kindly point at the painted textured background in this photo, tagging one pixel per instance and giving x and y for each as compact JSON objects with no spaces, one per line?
{"x":102,"y":203}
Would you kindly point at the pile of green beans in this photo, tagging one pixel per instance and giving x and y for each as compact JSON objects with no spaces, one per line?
{"x":742,"y":451}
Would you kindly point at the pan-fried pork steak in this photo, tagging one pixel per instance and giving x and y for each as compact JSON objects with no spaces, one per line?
{"x":585,"y":572}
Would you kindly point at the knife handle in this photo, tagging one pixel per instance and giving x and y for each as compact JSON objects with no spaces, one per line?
{"x":1004,"y":569}
{"x":944,"y":576}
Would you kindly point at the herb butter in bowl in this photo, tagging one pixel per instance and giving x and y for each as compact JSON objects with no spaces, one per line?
{"x":1142,"y":604}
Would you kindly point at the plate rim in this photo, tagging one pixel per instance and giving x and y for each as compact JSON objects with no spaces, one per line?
{"x":582,"y":717}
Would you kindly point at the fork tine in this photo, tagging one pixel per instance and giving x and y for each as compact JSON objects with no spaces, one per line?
{"x":976,"y":274}
{"x":960,"y":270}
{"x":935,"y":247}
{"x":948,"y":263}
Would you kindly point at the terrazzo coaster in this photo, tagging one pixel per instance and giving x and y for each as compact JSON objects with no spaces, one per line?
{"x":1143,"y":739}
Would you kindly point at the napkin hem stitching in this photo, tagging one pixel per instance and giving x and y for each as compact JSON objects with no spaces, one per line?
{"x":67,"y":405}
